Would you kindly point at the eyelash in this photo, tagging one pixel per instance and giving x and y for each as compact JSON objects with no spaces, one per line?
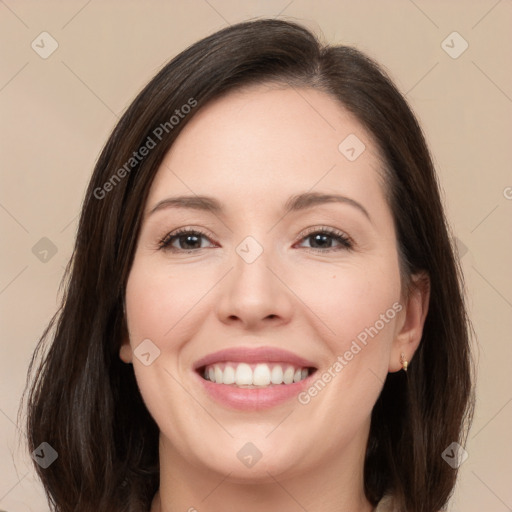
{"x":345,"y":241}
{"x":165,"y":243}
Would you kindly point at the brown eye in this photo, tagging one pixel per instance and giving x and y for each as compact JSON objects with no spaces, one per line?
{"x":323,"y":240}
{"x":187,"y":240}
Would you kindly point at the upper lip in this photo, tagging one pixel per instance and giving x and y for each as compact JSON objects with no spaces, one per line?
{"x":253,"y":355}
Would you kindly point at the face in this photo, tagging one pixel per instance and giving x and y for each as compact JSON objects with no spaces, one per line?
{"x":270,"y":311}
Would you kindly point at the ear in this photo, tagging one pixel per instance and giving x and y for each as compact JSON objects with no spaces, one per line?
{"x":410,"y":325}
{"x":125,"y":350}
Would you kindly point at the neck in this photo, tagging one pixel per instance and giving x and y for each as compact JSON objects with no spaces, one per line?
{"x":330,"y":486}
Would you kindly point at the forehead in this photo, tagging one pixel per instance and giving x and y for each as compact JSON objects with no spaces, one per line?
{"x":263,"y":139}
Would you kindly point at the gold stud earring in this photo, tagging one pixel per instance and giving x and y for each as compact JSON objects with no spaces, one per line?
{"x":403,"y":361}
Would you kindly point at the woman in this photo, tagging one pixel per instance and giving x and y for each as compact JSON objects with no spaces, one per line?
{"x":263,"y":308}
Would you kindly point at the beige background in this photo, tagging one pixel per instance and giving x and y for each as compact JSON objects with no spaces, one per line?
{"x":57,"y":113}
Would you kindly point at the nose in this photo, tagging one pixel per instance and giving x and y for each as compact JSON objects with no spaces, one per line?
{"x":255,"y":295}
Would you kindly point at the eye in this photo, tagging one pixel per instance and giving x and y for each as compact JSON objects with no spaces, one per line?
{"x":321,"y":239}
{"x":186,"y":240}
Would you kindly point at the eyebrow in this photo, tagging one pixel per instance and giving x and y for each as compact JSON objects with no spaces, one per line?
{"x":297,"y":202}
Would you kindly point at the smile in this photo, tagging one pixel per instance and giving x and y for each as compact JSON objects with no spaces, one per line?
{"x":255,"y":375}
{"x":253,"y":378}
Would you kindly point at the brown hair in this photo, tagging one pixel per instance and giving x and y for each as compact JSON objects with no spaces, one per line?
{"x":85,"y":402}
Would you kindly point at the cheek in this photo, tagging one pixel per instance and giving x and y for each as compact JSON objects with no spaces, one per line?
{"x":158,"y":301}
{"x":350,"y":299}
{"x":357,"y":307}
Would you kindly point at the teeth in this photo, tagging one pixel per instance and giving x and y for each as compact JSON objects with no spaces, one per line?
{"x":258,"y":375}
{"x":288,"y":375}
{"x":218,"y":374}
{"x":261,"y":375}
{"x":243,"y":375}
{"x":229,"y":376}
{"x":276,"y":377}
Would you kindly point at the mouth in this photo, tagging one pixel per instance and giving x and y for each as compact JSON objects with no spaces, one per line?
{"x":255,"y":375}
{"x":253,"y":378}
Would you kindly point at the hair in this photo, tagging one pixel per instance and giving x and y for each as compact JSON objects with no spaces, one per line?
{"x":85,"y":402}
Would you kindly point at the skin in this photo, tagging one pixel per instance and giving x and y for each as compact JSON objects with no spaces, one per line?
{"x":251,"y":150}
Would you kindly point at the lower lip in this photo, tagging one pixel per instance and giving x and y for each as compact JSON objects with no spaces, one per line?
{"x":254,"y":399}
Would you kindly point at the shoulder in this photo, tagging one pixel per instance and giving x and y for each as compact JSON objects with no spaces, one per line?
{"x":385,"y":504}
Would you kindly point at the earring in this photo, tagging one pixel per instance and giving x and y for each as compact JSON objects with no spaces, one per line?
{"x":403,"y":361}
